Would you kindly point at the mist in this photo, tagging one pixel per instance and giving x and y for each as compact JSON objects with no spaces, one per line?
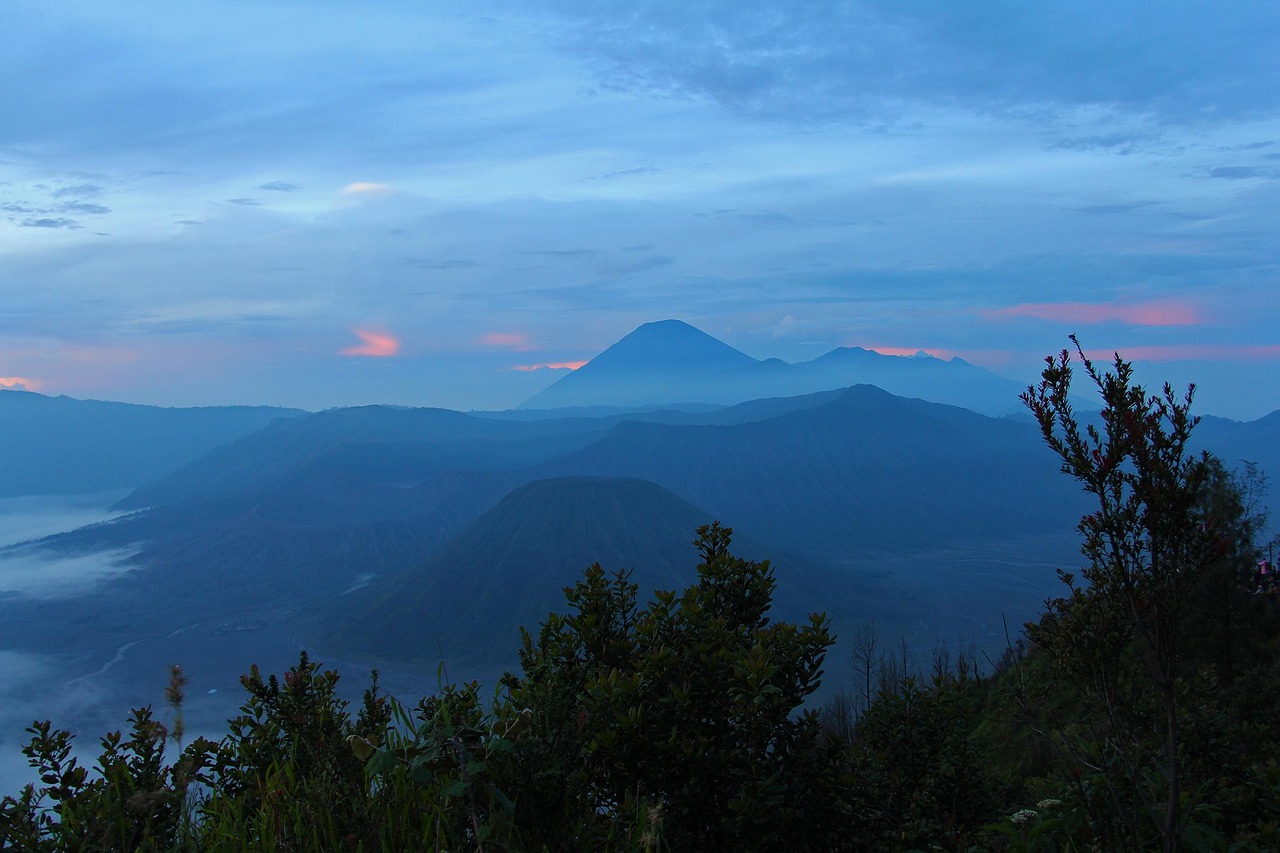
{"x":34,"y":685}
{"x":34,"y":516}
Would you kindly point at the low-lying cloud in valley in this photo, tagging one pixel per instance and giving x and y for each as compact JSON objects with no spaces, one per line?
{"x":36,"y":573}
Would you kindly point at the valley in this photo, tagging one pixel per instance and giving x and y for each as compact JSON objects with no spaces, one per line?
{"x":420,"y":541}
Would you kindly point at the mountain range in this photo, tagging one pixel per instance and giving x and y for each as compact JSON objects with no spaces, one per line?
{"x":439,"y":529}
{"x":670,"y":362}
{"x":397,"y":535}
{"x":60,"y":445}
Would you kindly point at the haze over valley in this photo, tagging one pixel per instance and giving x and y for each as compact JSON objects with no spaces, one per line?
{"x":404,"y":539}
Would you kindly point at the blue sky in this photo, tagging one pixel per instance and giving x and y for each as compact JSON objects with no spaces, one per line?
{"x":318,"y":204}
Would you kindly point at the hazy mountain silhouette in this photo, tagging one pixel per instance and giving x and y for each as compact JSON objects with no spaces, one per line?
{"x":305,"y":509}
{"x":1237,"y":443}
{"x":668,"y":361}
{"x":60,"y":445}
{"x":864,"y":470}
{"x":846,"y":475}
{"x":310,"y":504}
{"x":376,"y":443}
{"x":835,"y":473}
{"x":509,"y":567}
{"x":671,"y":362}
{"x":311,"y":534}
{"x":401,"y":447}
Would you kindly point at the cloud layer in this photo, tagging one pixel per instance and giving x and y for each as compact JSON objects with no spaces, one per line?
{"x":195,"y":210}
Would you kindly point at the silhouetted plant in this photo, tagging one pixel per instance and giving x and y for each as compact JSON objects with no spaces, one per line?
{"x":131,"y":799}
{"x":1163,"y":544}
{"x":689,"y":708}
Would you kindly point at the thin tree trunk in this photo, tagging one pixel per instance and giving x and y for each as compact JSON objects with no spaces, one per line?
{"x":1171,"y":821}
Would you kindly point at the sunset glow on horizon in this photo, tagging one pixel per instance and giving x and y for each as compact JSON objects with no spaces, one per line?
{"x":1158,"y":313}
{"x":1188,"y":352}
{"x":910,"y":352}
{"x":554,"y":365}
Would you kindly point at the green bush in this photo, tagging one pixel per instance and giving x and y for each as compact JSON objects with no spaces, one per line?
{"x":687,"y":711}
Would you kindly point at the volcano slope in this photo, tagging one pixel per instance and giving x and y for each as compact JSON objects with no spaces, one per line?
{"x":508,"y":570}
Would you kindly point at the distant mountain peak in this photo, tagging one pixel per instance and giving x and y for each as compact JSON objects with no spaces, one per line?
{"x":669,"y":343}
{"x":670,"y":363}
{"x":876,"y":355}
{"x":645,"y":367}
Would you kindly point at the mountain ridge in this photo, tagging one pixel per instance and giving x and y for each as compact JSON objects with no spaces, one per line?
{"x":670,"y":362}
{"x":64,"y":445}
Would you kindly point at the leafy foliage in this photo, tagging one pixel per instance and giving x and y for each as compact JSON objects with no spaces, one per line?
{"x":689,"y":708}
{"x":1158,"y":541}
{"x":133,"y":802}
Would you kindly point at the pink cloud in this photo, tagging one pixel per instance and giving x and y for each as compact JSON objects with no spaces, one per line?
{"x":366,"y":188}
{"x":1157,"y":313}
{"x":376,"y":345}
{"x":20,"y":383}
{"x":518,"y":341}
{"x":1199,"y":352}
{"x":551,"y":365}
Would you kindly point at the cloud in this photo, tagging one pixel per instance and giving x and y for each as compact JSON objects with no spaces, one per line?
{"x":44,"y":575}
{"x":32,"y":517}
{"x":1112,"y":209}
{"x":563,"y":254}
{"x":366,"y":188}
{"x":46,"y":217}
{"x":446,"y":264}
{"x":807,"y":61}
{"x":496,"y":160}
{"x":1072,"y":129}
{"x":83,"y":207}
{"x":51,"y":222}
{"x":216,"y":315}
{"x":1163,"y":313}
{"x":629,"y":173}
{"x":1185,"y":352}
{"x":518,"y":341}
{"x":80,"y":190}
{"x":376,"y":345}
{"x":20,"y":383}
{"x":247,"y":202}
{"x":605,"y":264}
{"x":550,"y":365}
{"x":616,"y":269}
{"x":1237,"y":173}
{"x":752,"y":217}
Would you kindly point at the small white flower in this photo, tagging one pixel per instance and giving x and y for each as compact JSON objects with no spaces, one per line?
{"x":1048,"y":804}
{"x":1024,"y":816}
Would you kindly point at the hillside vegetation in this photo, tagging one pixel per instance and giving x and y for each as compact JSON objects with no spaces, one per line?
{"x":1135,"y":714}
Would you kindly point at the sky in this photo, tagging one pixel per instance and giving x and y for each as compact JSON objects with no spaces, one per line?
{"x":321,"y":204}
